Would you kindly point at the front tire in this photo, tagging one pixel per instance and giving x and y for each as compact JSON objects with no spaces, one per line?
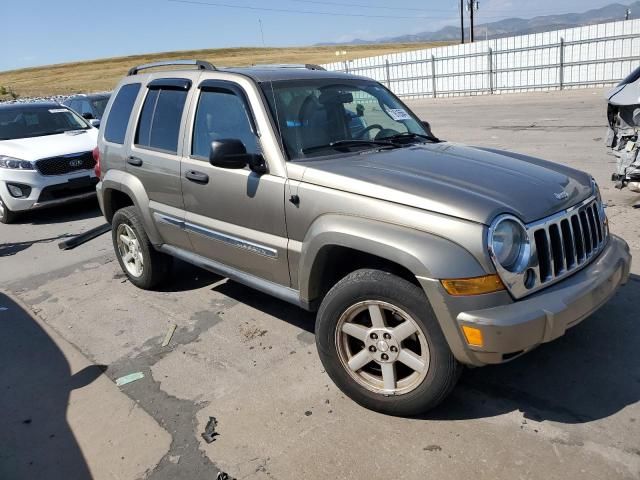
{"x":6,"y":216}
{"x":381,"y":344}
{"x":145,"y":267}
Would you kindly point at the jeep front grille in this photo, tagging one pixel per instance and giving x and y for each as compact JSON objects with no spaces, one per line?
{"x":560,"y":244}
{"x":66,"y":164}
{"x":567,"y":241}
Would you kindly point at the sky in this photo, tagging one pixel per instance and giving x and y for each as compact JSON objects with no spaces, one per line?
{"x":42,"y":32}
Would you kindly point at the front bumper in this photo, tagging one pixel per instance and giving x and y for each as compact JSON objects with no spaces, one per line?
{"x":512,"y":329}
{"x":46,"y":190}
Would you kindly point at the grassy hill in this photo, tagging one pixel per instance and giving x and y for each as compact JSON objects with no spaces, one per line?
{"x":100,"y":75}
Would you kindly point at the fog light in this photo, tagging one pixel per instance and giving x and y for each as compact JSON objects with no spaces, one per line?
{"x":19,"y":191}
{"x":473,"y":286}
{"x":473,"y":336}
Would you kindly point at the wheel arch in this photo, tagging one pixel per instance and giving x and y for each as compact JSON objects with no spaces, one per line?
{"x":336,"y":243}
{"x":120,"y":189}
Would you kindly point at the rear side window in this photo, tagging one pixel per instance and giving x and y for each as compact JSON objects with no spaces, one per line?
{"x":159,"y":123}
{"x":118,"y":120}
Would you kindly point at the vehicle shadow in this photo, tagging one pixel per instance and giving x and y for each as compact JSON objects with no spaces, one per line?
{"x":590,"y":373}
{"x":269,"y":305}
{"x":186,"y":277}
{"x":8,"y":249}
{"x":35,"y":381}
{"x":83,"y":210}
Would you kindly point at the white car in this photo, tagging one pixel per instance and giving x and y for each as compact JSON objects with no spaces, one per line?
{"x":46,"y":157}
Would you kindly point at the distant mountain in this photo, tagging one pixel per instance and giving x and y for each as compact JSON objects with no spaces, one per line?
{"x":516,"y":26}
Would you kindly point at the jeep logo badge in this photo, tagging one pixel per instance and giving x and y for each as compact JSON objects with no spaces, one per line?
{"x":75,"y":163}
{"x":562,"y":195}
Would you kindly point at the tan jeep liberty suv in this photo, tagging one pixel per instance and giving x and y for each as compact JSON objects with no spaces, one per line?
{"x":324,"y":190}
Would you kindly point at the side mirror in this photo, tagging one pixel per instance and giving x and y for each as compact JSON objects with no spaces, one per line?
{"x":94,"y":122}
{"x":88,"y":116}
{"x":231,"y":153}
{"x":427,"y":126}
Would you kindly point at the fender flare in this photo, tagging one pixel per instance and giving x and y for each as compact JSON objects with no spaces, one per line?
{"x":424,"y":254}
{"x":126,"y":183}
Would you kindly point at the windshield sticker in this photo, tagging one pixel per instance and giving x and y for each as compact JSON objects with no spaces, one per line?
{"x":398,"y":114}
{"x":58,"y":110}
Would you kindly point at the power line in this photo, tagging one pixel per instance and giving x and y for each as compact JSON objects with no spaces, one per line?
{"x":343,"y":4}
{"x":303,"y":12}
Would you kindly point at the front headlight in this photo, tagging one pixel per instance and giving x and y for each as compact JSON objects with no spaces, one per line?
{"x":509,"y":244}
{"x":15,"y":163}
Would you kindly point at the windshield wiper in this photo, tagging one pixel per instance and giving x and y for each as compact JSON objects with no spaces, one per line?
{"x":342,"y":144}
{"x":401,"y":136}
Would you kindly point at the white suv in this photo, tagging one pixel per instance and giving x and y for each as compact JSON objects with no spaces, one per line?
{"x":46,"y":157}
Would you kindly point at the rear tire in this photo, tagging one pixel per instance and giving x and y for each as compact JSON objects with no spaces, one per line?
{"x":391,"y":356}
{"x":144,"y":266}
{"x":6,"y":216}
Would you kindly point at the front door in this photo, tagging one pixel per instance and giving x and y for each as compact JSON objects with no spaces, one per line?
{"x":235,"y":217}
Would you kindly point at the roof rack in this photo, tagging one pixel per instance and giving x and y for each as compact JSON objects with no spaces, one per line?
{"x":308,"y":66}
{"x":202,"y":65}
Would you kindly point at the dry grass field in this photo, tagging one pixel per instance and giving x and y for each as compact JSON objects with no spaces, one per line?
{"x":100,"y":75}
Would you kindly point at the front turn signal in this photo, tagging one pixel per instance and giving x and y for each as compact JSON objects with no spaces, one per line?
{"x":473,"y":336}
{"x":473,"y":286}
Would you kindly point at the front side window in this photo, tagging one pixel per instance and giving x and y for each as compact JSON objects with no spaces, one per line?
{"x":32,"y":121}
{"x":312,"y":114}
{"x":159,"y":124}
{"x":118,"y":121}
{"x":221,"y":114}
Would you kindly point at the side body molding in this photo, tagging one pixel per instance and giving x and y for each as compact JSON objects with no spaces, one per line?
{"x":424,"y":254}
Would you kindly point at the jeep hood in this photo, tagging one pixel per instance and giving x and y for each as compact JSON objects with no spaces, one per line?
{"x":476,"y":184}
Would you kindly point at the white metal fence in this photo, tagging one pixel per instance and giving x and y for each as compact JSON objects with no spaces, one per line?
{"x":594,"y":55}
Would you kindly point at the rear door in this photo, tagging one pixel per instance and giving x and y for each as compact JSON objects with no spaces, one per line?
{"x":235,"y":217}
{"x":155,"y":153}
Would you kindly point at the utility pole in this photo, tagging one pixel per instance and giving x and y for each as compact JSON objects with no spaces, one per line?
{"x":628,"y":14}
{"x":261,"y":32}
{"x":471,"y":5}
{"x":461,"y":21}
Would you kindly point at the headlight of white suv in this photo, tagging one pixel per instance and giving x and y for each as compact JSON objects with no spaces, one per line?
{"x":15,"y":163}
{"x":509,"y":244}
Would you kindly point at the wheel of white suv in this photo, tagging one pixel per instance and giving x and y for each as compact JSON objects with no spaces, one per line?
{"x":144,"y":266}
{"x":381,"y":344}
{"x":6,"y":215}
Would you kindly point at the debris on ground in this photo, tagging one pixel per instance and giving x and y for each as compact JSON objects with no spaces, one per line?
{"x":251,"y":332}
{"x":433,"y":448}
{"x":169,"y":335}
{"x":175,"y":459}
{"x":132,"y":377}
{"x":210,"y":433}
{"x":224,"y":476}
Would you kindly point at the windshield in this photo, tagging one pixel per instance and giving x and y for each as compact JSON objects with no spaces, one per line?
{"x":38,"y":121}
{"x":99,"y":105}
{"x":316,"y":117}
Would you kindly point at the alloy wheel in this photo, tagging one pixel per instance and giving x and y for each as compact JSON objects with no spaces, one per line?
{"x":382,"y":347}
{"x":129,"y":250}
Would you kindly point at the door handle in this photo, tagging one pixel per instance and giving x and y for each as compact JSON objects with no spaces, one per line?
{"x":197,"y":177}
{"x":135,"y":161}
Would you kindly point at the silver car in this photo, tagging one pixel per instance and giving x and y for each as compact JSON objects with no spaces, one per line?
{"x":324,"y":190}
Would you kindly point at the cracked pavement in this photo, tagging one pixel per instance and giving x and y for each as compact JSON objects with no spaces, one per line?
{"x":570,"y":409}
